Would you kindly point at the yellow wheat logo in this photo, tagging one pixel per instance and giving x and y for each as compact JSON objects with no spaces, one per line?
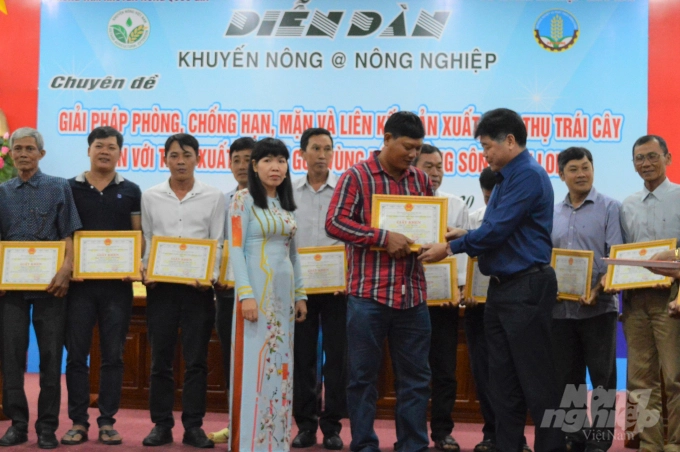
{"x":556,"y":28}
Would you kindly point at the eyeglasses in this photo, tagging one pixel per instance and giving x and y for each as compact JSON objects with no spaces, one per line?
{"x":653,"y":157}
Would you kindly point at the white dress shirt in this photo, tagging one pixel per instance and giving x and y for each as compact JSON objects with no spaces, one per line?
{"x":458,"y":217}
{"x":477,"y":217}
{"x":312,"y":207}
{"x":200,"y":215}
{"x":647,"y":216}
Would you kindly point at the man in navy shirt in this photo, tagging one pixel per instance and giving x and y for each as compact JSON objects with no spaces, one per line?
{"x":34,"y":207}
{"x":514,"y":247}
{"x":105,"y":202}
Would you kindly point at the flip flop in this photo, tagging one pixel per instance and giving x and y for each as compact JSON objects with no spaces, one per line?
{"x":219,"y":437}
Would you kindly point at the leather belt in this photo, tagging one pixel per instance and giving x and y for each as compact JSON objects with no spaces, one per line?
{"x":528,"y":271}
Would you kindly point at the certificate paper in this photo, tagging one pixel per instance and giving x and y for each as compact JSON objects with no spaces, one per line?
{"x":476,"y":284}
{"x":629,"y":277}
{"x":29,"y":265}
{"x":574,"y":270}
{"x":324,"y":269}
{"x":179,"y":260}
{"x":107,"y":254}
{"x":441,"y":280}
{"x":420,"y":218}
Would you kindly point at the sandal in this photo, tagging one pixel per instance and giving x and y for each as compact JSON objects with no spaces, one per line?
{"x":219,"y":437}
{"x":77,"y":435}
{"x":109,"y":436}
{"x":486,"y":446}
{"x":447,"y":443}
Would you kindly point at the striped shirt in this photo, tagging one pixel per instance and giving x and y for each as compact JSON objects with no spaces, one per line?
{"x":397,"y":283}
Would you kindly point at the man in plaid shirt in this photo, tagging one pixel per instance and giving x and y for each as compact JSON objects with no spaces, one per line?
{"x":387,"y":289}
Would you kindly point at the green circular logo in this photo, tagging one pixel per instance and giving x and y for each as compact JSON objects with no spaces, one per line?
{"x":129,"y":28}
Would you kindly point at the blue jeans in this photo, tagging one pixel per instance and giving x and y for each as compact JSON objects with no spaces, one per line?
{"x":369,"y":323}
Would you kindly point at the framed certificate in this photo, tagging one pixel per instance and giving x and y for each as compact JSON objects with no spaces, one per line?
{"x":420,"y":218}
{"x":574,"y":270}
{"x":620,"y":277}
{"x":442,"y":279}
{"x":476,"y":284}
{"x":181,"y":260}
{"x":29,"y":265}
{"x":324,"y":268}
{"x":226,"y":270}
{"x":642,"y":263}
{"x":107,"y":254}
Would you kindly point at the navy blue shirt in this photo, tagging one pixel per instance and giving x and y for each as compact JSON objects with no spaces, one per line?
{"x":110,"y":209}
{"x":515,"y":232}
{"x":40,"y":209}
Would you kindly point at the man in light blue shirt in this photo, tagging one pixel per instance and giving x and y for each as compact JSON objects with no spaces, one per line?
{"x":326,"y":312}
{"x":652,"y":336}
{"x":584,"y":332}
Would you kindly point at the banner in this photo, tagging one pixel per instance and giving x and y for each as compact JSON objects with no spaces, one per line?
{"x":576,"y":72}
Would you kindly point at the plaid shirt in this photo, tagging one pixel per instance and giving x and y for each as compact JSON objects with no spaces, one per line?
{"x":397,"y":283}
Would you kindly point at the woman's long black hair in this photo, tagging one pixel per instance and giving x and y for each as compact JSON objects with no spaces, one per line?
{"x":275,"y":148}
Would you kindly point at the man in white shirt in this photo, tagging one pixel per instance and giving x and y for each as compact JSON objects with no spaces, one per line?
{"x":313,"y":194}
{"x":444,"y":318}
{"x":487,"y":181}
{"x":652,"y":336}
{"x":180,"y":207}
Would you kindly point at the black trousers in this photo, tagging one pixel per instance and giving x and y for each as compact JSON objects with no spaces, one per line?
{"x":223,"y":321}
{"x":443,"y":353}
{"x":330,"y":313}
{"x":170,"y":307}
{"x":49,"y":320}
{"x":109,"y":304}
{"x":479,"y":364}
{"x":589,"y":343}
{"x":518,"y":321}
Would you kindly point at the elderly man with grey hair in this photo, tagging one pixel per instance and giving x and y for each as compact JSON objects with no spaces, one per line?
{"x":34,"y":207}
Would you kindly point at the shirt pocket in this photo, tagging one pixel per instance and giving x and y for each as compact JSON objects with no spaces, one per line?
{"x":43,"y":221}
{"x":670,"y":226}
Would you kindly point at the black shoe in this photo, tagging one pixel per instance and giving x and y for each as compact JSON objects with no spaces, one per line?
{"x":47,"y":440}
{"x":159,"y":436}
{"x":575,"y":446}
{"x":196,"y":437}
{"x":305,"y":438}
{"x":13,"y":437}
{"x":332,"y":442}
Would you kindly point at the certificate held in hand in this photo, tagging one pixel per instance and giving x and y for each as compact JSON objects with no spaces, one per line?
{"x":620,"y":277}
{"x":476,"y":284}
{"x":442,"y":278}
{"x":29,"y":265}
{"x":574,"y":271}
{"x":107,"y":254}
{"x":324,"y":268}
{"x":420,"y":218}
{"x":181,"y":260}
